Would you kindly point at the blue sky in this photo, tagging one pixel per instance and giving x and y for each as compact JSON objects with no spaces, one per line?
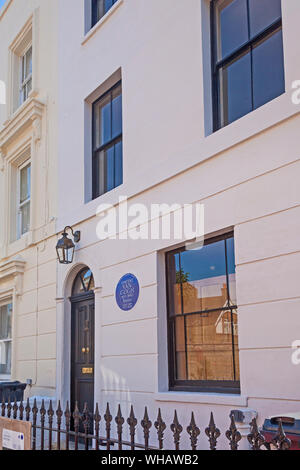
{"x":2,"y":3}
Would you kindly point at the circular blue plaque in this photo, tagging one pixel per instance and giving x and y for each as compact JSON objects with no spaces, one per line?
{"x":127,"y":292}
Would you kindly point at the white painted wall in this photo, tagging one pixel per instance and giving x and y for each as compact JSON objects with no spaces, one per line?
{"x":245,"y":174}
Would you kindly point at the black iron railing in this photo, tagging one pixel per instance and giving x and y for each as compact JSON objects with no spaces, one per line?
{"x":66,"y":430}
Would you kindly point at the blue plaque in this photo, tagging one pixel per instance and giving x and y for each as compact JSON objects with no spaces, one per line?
{"x":127,"y":292}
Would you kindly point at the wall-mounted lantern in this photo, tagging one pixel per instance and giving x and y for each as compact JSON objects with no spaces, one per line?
{"x":65,"y":246}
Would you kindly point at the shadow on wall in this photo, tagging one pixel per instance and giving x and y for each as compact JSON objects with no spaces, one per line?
{"x":113,"y":382}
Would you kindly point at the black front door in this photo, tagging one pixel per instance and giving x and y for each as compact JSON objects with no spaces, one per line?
{"x":82,"y":352}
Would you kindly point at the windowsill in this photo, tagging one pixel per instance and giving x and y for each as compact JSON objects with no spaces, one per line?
{"x":20,"y":244}
{"x":14,"y":114}
{"x":6,"y":378}
{"x":203,"y":398}
{"x":102,"y":20}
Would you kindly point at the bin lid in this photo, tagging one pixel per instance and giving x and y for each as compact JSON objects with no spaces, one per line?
{"x":290,"y":422}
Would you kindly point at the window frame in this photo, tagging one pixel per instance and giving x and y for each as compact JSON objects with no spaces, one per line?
{"x":95,"y":19}
{"x":24,"y":80}
{"x":22,"y":204}
{"x":216,"y":64}
{"x":108,"y":144}
{"x":7,"y":303}
{"x":206,"y":386}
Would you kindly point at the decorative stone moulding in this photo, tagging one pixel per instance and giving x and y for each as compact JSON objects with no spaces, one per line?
{"x":13,"y":270}
{"x":29,"y":115}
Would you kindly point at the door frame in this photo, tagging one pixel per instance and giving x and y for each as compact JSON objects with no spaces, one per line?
{"x":65,"y":282}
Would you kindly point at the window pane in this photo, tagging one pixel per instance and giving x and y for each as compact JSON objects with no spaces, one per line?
{"x":118,"y":164}
{"x":5,"y":357}
{"x":107,"y":5}
{"x":209,"y":346}
{"x":232,"y":26}
{"x":25,"y":218}
{"x":236,"y":344}
{"x":104,"y":171}
{"x":235,"y":90}
{"x":99,"y":173}
{"x":116,"y":113}
{"x":174,"y":276}
{"x":110,"y":169}
{"x":181,"y":372}
{"x":84,"y":282}
{"x":5,"y":321}
{"x":86,"y":278}
{"x":268,"y":69}
{"x":28,"y":61}
{"x":203,"y":277}
{"x":101,"y":7}
{"x":262,"y":14}
{"x":231,"y":270}
{"x":25,"y":175}
{"x":78,"y":286}
{"x":102,"y":131}
{"x":28,"y":87}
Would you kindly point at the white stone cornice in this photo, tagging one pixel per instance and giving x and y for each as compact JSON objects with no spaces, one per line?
{"x":14,"y":270}
{"x":28,"y":115}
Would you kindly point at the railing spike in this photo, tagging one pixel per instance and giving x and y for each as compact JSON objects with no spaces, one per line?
{"x":86,"y":424}
{"x":160,"y":426}
{"x":21,"y":411}
{"x":176,"y":429}
{"x":193,"y":432}
{"x":108,"y":419}
{"x":8,"y":407}
{"x":97,"y":419}
{"x":255,"y":438}
{"x":3,"y":406}
{"x":146,"y":425}
{"x":27,"y":410}
{"x":132,"y":422}
{"x":15,"y":408}
{"x":233,"y":435}
{"x":212,"y":432}
{"x":76,"y":416}
{"x":59,"y":415}
{"x":67,"y":423}
{"x":119,"y":422}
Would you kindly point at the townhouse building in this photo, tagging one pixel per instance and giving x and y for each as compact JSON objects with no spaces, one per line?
{"x":138,"y":108}
{"x":28,"y":132}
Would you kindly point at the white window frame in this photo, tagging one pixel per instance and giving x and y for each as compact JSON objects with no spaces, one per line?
{"x":24,"y":95}
{"x":4,"y":377}
{"x":22,"y":204}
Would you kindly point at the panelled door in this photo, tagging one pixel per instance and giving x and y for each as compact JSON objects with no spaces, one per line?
{"x":82,"y":347}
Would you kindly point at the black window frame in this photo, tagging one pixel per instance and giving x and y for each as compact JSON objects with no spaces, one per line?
{"x":216,"y":64}
{"x":110,"y":143}
{"x":95,"y":18}
{"x":206,"y":386}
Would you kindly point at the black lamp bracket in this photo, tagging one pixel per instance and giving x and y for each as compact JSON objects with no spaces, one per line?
{"x":76,"y":235}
